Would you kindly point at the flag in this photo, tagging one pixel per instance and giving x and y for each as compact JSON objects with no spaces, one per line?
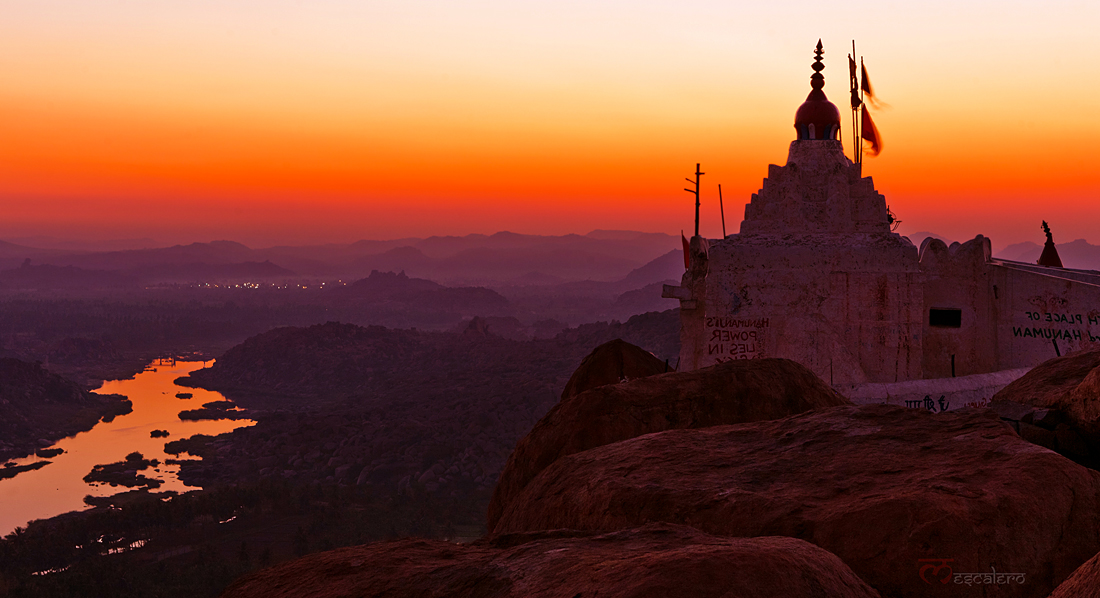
{"x":866,"y":85}
{"x":868,"y":92}
{"x":687,"y":251}
{"x":856,"y":102}
{"x":870,"y":133}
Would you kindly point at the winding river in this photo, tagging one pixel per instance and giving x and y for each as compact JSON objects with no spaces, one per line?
{"x":59,"y":487}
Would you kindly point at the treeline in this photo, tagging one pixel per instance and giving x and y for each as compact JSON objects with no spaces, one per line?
{"x":197,"y":543}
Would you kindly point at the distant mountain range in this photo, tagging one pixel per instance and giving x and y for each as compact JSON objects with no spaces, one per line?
{"x":482,"y":260}
{"x":1079,"y":254}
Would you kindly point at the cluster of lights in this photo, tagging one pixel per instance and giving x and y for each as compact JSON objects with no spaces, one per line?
{"x":252,"y":285}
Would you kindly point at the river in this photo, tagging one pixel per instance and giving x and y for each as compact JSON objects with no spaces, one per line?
{"x":59,"y":487}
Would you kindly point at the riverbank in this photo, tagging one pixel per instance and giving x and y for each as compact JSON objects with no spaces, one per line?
{"x":60,"y":486}
{"x":39,"y":407}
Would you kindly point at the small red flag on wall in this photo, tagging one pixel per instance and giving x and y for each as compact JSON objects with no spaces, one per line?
{"x":687,"y":251}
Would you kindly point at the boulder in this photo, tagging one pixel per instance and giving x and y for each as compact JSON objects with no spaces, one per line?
{"x":1084,"y":583}
{"x":727,"y":393}
{"x":611,"y":363}
{"x":1057,"y":405}
{"x":886,"y":489}
{"x":655,"y":560}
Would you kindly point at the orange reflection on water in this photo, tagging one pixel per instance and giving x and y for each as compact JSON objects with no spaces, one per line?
{"x":59,"y":487}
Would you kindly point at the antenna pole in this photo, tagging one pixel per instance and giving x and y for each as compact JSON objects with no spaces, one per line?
{"x":696,"y":192}
{"x":722,"y":209}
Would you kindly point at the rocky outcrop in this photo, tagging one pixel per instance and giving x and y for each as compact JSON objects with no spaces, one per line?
{"x":1057,"y":405}
{"x":611,"y":363}
{"x":656,"y":560}
{"x":393,"y":298}
{"x":728,"y":393}
{"x":1084,"y":583}
{"x":881,"y":487}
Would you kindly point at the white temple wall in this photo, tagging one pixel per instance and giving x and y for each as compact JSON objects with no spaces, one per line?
{"x":848,"y":308}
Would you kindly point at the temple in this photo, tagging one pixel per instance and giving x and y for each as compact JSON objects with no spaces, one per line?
{"x":817,"y":275}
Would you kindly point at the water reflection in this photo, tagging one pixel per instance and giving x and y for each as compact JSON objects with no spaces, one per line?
{"x":59,"y":487}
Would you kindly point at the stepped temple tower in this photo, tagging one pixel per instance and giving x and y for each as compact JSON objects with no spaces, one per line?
{"x":817,"y":275}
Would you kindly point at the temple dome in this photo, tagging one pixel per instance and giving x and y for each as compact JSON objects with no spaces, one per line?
{"x":817,"y":117}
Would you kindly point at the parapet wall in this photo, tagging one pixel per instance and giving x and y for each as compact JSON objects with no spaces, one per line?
{"x":1042,"y":315}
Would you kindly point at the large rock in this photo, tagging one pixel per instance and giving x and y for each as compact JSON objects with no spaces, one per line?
{"x":611,"y":363}
{"x":1084,"y":583}
{"x":881,"y":487}
{"x":728,"y":393}
{"x":656,"y":560}
{"x":1057,"y":405}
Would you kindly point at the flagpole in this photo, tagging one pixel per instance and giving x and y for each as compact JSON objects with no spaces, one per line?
{"x":855,"y":114}
{"x":862,"y":103}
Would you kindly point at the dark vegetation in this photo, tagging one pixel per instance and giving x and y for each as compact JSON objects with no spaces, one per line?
{"x":214,"y":410}
{"x":394,"y":409}
{"x":197,"y":543}
{"x":38,"y":407}
{"x":125,"y":473}
{"x":10,"y":469}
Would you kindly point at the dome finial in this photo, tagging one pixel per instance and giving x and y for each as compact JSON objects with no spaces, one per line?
{"x":817,"y":80}
{"x":817,"y":117}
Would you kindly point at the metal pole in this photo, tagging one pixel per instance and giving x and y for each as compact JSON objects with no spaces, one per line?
{"x":697,"y":175}
{"x":696,"y":192}
{"x":722,"y":209}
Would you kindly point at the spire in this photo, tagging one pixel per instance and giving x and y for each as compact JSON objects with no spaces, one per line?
{"x":1050,"y":252}
{"x":817,"y":118}
{"x":817,"y":80}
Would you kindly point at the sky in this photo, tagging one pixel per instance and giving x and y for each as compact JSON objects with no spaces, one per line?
{"x":293,"y":122}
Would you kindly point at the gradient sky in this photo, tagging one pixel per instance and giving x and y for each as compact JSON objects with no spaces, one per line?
{"x":281,"y":121}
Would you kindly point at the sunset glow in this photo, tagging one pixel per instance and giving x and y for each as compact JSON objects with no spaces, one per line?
{"x":339,"y":120}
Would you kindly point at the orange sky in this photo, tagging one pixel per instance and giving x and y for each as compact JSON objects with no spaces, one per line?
{"x":286,"y":122}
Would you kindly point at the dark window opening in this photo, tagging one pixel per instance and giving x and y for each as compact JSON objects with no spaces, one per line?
{"x":946,"y":318}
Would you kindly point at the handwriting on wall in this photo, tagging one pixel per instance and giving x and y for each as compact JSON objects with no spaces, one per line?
{"x":944,"y":403}
{"x":1066,"y":332}
{"x":931,"y":405}
{"x":729,"y":338}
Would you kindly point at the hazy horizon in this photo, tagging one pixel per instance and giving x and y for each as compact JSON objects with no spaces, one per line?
{"x":253,"y":241}
{"x":282,"y":122}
